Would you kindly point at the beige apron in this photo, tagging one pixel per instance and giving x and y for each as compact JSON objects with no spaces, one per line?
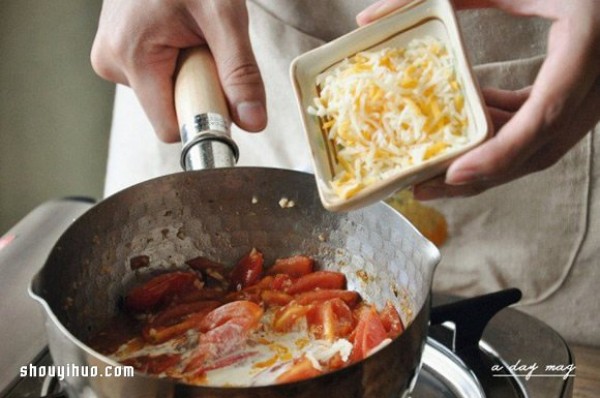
{"x":540,"y":233}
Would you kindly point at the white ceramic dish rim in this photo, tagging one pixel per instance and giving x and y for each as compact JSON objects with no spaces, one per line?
{"x":422,"y":17}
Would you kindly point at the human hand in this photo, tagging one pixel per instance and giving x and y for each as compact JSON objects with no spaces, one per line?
{"x":535,"y":126}
{"x":138,"y":42}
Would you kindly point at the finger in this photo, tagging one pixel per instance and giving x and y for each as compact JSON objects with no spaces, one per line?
{"x":437,"y":189}
{"x":502,"y":104}
{"x":238,"y":71}
{"x":507,"y":100}
{"x":564,"y":80}
{"x":584,"y":120}
{"x":102,"y":65}
{"x":499,"y":117}
{"x":379,"y":9}
{"x":153,"y":86}
{"x":106,"y":50}
{"x":382,"y":8}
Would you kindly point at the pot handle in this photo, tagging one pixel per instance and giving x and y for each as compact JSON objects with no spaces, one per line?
{"x":202,"y":113}
{"x":471,"y":316}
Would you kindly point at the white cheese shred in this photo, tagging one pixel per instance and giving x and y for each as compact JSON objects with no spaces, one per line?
{"x":384,"y":111}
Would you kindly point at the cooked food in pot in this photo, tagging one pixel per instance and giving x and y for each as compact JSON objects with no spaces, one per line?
{"x":388,"y":110}
{"x":216,"y":326}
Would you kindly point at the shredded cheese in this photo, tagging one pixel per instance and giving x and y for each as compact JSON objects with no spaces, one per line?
{"x":384,"y":111}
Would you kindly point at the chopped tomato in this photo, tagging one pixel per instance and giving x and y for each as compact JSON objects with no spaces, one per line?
{"x":248,"y":270}
{"x":206,"y":293}
{"x":281,"y":282}
{"x":214,"y":273}
{"x":301,"y":369}
{"x":247,"y":294}
{"x":265,"y":283}
{"x":336,"y":362}
{"x":202,"y":264}
{"x":225,"y":330}
{"x":162,"y":363}
{"x":244,"y":313}
{"x":209,"y":315}
{"x":391,"y":320}
{"x":176,"y":312}
{"x":351,"y":298}
{"x":222,"y":340}
{"x":369,"y":333}
{"x":295,"y":266}
{"x":153,"y":364}
{"x":158,"y":290}
{"x":286,"y":317}
{"x":330,"y":319}
{"x":160,"y":334}
{"x":274,"y":297}
{"x":318,"y":280}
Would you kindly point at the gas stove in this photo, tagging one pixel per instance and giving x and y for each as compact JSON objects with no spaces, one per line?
{"x":517,"y":356}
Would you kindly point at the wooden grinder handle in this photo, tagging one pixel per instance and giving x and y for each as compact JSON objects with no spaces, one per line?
{"x":202,"y":113}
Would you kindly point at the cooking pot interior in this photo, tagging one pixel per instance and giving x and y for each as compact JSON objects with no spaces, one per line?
{"x":222,"y":214}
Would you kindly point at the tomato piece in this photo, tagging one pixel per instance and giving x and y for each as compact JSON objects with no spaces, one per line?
{"x":160,"y":334}
{"x":225,"y":330}
{"x":281,"y":282}
{"x":274,"y":297}
{"x":176,"y":312}
{"x":286,"y":317}
{"x":301,"y":369}
{"x":158,"y":290}
{"x":243,"y":313}
{"x":351,"y":298}
{"x":153,"y":364}
{"x":265,"y":283}
{"x":214,"y":273}
{"x":248,"y":294}
{"x":247,"y":271}
{"x":206,"y":293}
{"x":330,"y":319}
{"x":336,"y":362}
{"x":369,"y":333}
{"x":203,"y":264}
{"x":391,"y":320}
{"x":162,"y":363}
{"x":318,"y":280}
{"x":295,"y":266}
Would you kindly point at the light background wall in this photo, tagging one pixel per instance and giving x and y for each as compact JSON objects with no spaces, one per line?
{"x":54,"y":111}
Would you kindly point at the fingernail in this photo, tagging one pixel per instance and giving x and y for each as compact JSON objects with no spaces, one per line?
{"x":252,"y":115}
{"x":370,"y":13}
{"x":380,"y":9}
{"x":461,"y":177}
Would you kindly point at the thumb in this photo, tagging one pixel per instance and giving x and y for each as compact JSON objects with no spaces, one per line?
{"x":240,"y":77}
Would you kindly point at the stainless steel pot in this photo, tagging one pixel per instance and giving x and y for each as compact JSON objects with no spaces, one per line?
{"x":222,"y":213}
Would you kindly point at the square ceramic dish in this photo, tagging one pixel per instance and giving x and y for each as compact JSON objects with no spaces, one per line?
{"x":420,"y":18}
